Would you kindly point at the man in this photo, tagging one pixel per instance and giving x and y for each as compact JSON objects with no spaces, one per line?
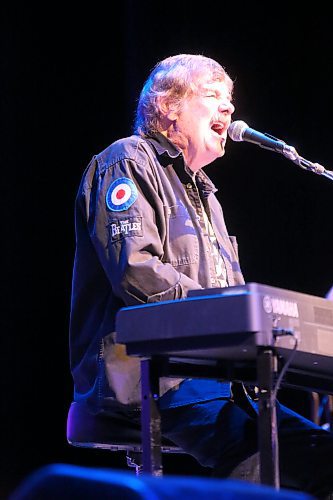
{"x":149,"y":228}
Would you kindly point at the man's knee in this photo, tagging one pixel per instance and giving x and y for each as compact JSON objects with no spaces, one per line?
{"x":248,"y":469}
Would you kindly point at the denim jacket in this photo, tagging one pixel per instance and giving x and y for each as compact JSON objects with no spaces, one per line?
{"x":140,"y":238}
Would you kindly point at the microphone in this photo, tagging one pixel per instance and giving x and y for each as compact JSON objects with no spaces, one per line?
{"x":240,"y":131}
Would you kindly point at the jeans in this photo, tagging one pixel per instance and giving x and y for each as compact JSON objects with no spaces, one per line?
{"x":223,"y":436}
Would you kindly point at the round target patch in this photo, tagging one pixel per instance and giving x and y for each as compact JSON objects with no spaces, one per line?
{"x":121,"y":194}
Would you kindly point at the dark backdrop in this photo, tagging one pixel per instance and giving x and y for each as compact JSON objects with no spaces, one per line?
{"x":69,"y":81}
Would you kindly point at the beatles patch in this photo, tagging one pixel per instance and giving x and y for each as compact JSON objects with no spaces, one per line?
{"x":125,"y":226}
{"x":121,"y":194}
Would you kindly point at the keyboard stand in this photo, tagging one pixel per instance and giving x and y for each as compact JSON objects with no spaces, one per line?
{"x":152,"y":368}
{"x":150,"y":419}
{"x":267,"y":421}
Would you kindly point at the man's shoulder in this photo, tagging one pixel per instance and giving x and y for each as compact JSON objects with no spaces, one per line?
{"x":130,"y":148}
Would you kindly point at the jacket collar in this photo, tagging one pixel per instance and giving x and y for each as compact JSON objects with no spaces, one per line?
{"x":167,"y":150}
{"x":163,"y":146}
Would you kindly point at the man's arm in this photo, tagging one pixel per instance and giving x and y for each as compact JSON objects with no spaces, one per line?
{"x":129,"y":236}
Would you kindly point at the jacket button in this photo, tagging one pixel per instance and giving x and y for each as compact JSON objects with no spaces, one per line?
{"x":189,"y":185}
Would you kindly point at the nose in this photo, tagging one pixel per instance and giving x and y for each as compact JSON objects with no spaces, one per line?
{"x":226,"y":107}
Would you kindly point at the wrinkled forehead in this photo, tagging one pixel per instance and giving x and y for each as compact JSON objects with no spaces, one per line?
{"x":208,"y":81}
{"x":221,"y":84}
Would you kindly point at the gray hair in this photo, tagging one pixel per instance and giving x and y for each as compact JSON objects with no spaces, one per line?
{"x":173,"y":78}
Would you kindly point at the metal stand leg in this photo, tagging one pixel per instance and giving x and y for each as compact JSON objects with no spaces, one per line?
{"x":150,"y":419}
{"x":267,"y":423}
{"x":134,"y":460}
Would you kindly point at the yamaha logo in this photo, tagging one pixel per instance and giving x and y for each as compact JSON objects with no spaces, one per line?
{"x":280,"y":306}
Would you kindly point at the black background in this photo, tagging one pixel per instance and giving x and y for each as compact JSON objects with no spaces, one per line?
{"x":69,"y":82}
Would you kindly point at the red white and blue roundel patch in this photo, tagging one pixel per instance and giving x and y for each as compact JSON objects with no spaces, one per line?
{"x":121,"y":194}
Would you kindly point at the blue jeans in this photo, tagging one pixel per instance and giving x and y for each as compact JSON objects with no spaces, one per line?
{"x":221,"y":435}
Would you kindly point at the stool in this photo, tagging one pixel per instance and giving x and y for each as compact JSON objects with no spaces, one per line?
{"x":88,"y":429}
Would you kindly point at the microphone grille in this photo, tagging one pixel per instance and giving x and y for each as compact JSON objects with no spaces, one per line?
{"x":236,"y":130}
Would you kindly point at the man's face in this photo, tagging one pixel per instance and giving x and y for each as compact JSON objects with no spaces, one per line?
{"x":202,"y":123}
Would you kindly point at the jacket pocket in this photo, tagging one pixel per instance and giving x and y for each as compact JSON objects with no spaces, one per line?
{"x":181,"y":246}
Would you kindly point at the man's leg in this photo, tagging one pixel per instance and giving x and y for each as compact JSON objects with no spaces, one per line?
{"x":221,"y":435}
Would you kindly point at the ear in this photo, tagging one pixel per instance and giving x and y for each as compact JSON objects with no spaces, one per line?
{"x":166,"y":109}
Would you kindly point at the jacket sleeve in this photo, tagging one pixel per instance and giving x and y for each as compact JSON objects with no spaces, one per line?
{"x":127,"y":225}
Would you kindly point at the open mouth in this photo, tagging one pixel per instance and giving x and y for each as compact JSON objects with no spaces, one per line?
{"x":218,"y":128}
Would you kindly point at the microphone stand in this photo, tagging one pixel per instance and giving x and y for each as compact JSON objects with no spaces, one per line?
{"x":291,"y":154}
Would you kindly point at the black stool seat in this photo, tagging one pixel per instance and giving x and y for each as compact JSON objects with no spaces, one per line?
{"x":89,"y":429}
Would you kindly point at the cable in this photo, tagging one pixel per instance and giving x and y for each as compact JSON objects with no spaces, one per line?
{"x":279,"y":332}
